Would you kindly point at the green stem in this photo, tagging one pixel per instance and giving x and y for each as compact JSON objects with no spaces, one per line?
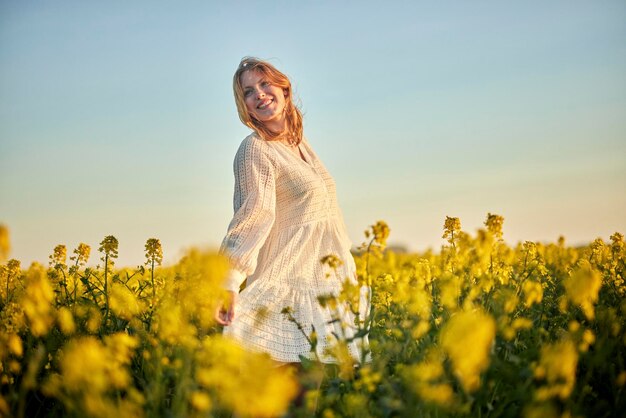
{"x":106,"y":291}
{"x":152,"y":279}
{"x":67,"y":295}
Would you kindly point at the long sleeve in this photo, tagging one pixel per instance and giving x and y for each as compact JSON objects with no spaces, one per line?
{"x":254,"y":205}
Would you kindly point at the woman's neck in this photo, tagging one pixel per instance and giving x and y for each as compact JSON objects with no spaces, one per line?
{"x":277,"y":126}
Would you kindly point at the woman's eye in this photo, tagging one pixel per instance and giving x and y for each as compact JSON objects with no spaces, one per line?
{"x":265,"y":84}
{"x":247,"y":93}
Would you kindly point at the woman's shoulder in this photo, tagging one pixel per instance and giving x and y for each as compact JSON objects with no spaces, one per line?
{"x":252,"y":142}
{"x":253,"y":147}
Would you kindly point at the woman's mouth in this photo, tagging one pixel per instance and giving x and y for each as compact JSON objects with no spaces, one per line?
{"x":265,"y":104}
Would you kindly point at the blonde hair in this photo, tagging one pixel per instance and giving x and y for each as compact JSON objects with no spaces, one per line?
{"x":293,"y":116}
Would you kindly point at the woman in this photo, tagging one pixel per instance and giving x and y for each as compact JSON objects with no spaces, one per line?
{"x":286,"y":219}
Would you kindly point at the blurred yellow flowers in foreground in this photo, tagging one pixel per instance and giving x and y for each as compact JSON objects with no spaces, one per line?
{"x":478,"y":328}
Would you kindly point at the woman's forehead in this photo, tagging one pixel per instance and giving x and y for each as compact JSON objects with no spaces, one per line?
{"x":250,"y":77}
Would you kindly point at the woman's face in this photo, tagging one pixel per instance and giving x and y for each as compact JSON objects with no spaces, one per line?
{"x":264,"y":101}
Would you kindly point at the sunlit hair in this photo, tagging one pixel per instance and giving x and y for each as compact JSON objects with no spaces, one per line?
{"x":293,"y":116}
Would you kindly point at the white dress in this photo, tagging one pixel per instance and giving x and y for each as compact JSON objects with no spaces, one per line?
{"x":286,"y":219}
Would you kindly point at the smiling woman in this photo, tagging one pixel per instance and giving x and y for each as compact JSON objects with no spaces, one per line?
{"x":265,"y":102}
{"x":286,"y":219}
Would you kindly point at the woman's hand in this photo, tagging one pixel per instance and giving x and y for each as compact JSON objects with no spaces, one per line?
{"x":225,"y":312}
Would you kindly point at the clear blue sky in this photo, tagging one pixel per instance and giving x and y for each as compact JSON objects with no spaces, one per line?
{"x":118,"y":118}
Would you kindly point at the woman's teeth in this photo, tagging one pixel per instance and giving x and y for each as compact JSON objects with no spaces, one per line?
{"x":265,"y":104}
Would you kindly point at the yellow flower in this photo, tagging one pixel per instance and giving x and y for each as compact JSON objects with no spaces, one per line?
{"x":59,"y":257}
{"x":439,"y":393}
{"x":93,"y":321}
{"x":510,"y":330}
{"x":450,"y":226}
{"x":14,"y":367}
{"x":84,"y":362}
{"x":467,"y":338}
{"x":340,"y":352}
{"x":109,"y":245}
{"x":422,"y":327}
{"x":533,"y":292}
{"x":5,"y":243}
{"x":123,"y":301}
{"x":381,"y":233}
{"x":13,"y":267}
{"x":154,"y":251}
{"x":15,"y":345}
{"x":37,"y":300}
{"x":173,"y":327}
{"x":96,"y":366}
{"x":66,"y":321}
{"x":582,"y":287}
{"x":4,"y":407}
{"x":419,"y":302}
{"x":450,"y":291}
{"x":200,"y":401}
{"x":81,"y":253}
{"x":198,"y":294}
{"x":588,"y":338}
{"x":522,"y":323}
{"x":557,"y":366}
{"x":617,"y":242}
{"x":356,"y":403}
{"x":328,"y":413}
{"x":253,"y":386}
{"x":121,"y":347}
{"x":91,"y":315}
{"x":426,"y":379}
{"x":90,"y":373}
{"x":368,"y":379}
{"x":494,"y":225}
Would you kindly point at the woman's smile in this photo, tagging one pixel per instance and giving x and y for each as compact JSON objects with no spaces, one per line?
{"x":265,"y":104}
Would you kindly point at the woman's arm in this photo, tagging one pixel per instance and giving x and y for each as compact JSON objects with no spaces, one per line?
{"x":254,"y":209}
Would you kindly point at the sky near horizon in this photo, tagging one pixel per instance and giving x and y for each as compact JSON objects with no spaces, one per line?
{"x":118,"y":118}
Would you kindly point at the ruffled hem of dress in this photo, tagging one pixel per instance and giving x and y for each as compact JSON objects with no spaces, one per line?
{"x":291,"y":358}
{"x":261,"y":323}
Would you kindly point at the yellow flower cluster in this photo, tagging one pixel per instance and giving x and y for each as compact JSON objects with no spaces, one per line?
{"x":494,"y":225}
{"x":92,"y":374}
{"x":533,"y":293}
{"x":582,"y":287}
{"x":37,"y":301}
{"x":247,"y":383}
{"x":427,"y":379}
{"x":5,"y":243}
{"x":480,"y":328}
{"x":557,"y":368}
{"x":467,"y":338}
